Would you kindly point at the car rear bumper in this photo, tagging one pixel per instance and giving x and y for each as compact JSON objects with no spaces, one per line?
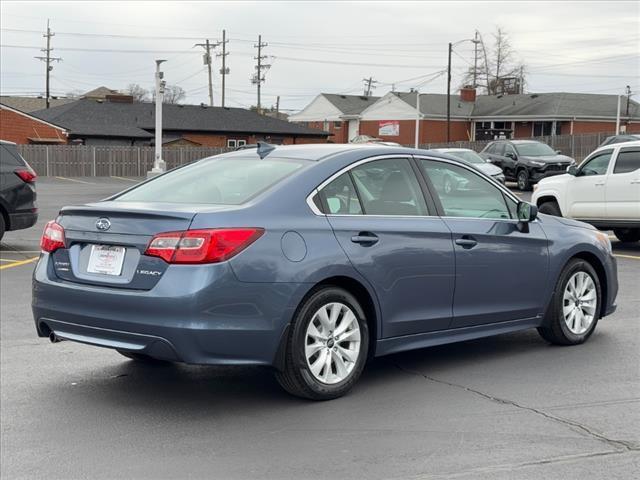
{"x":195,"y":314}
{"x":22,"y":220}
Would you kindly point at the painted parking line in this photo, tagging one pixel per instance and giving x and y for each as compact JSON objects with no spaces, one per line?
{"x":634,"y":257}
{"x":75,"y":180}
{"x":125,"y":179}
{"x":17,"y":264}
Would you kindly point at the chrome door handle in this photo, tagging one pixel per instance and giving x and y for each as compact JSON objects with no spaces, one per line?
{"x":365,"y":238}
{"x":599,"y":184}
{"x":466,"y":242}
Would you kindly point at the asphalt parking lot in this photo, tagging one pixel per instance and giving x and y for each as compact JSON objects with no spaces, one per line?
{"x":500,"y":408}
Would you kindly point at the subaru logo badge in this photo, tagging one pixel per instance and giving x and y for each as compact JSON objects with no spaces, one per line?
{"x":103,"y":224}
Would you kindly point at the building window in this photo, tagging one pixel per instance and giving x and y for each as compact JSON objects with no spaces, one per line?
{"x":545,"y":129}
{"x":241,"y":143}
{"x":337,"y":125}
{"x":231,"y":143}
{"x":325,"y":125}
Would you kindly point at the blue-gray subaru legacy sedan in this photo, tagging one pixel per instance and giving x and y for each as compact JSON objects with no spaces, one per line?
{"x":312,"y":259}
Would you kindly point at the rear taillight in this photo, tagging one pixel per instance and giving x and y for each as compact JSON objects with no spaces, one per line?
{"x":26,"y":175}
{"x":52,"y":237}
{"x":202,"y":246}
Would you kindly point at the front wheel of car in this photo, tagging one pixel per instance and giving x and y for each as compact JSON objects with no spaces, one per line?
{"x":524,"y":183}
{"x":550,"y":208}
{"x":574,"y":310}
{"x":627,"y":235}
{"x":327,"y":346}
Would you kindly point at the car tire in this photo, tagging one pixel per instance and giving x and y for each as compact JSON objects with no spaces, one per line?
{"x":2,"y":226}
{"x":523,"y":181}
{"x":550,"y":208}
{"x":318,"y":370}
{"x":627,"y":235}
{"x":560,"y":326}
{"x":142,"y":358}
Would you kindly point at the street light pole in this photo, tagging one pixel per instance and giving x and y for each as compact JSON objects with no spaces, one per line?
{"x":159,"y":165}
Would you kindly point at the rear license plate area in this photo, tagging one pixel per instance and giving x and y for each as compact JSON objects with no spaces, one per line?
{"x":106,"y":260}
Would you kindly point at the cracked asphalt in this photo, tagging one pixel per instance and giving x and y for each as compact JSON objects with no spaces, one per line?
{"x":507,"y":407}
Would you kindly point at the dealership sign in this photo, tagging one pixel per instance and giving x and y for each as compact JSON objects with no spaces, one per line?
{"x":389,"y":128}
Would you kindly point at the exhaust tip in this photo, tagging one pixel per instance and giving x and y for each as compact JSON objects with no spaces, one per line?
{"x":53,"y":338}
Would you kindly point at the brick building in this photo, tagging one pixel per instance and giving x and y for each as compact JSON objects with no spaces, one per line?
{"x":393,"y":117}
{"x":119,"y":122}
{"x":20,"y":127}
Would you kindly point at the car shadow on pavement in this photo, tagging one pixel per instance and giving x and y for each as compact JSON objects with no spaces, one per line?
{"x":212,"y":390}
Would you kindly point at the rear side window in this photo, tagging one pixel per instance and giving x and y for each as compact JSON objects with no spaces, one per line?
{"x":628,"y":160}
{"x":224,"y":181}
{"x":389,"y":187}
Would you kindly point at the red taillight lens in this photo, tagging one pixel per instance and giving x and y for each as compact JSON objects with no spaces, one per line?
{"x":26,"y":175}
{"x":202,"y":246}
{"x":52,"y":237}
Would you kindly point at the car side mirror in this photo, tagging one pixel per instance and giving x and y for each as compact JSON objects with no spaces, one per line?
{"x":558,"y":152}
{"x":526,"y":213}
{"x":572,"y":170}
{"x":510,"y":155}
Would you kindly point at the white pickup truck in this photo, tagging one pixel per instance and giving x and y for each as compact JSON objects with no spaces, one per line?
{"x":604,"y":190}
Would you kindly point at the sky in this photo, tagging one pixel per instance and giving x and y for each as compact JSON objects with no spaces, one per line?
{"x":314,"y":47}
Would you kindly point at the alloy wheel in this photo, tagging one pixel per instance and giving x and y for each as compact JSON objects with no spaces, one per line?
{"x":332,"y":343}
{"x":579,"y":302}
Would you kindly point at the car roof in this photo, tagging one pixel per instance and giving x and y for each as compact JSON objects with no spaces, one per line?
{"x":317,"y":152}
{"x":635,"y":143}
{"x":445,"y":150}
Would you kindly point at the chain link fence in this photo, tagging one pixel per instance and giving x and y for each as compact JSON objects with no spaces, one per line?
{"x":105,"y":161}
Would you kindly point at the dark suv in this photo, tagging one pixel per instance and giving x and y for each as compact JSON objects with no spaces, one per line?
{"x":17,"y":190}
{"x":526,"y":161}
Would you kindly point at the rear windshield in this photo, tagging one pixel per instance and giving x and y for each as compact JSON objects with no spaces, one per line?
{"x":224,"y":181}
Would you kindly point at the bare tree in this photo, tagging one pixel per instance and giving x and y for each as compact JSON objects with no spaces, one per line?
{"x":498,"y":66}
{"x":174,"y":94}
{"x":138,"y":93}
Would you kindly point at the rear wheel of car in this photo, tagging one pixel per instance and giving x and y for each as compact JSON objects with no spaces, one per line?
{"x":2,"y":226}
{"x":327,"y":346}
{"x":574,"y":310}
{"x":141,"y":357}
{"x":627,"y":235}
{"x":550,"y":208}
{"x":523,"y":180}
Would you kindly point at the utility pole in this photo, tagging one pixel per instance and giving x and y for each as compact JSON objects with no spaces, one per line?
{"x":369,"y":85}
{"x":278,"y":106}
{"x":159,"y":166}
{"x":449,"y":94}
{"x":206,"y":59}
{"x":258,"y":77}
{"x":628,"y":91}
{"x":224,"y":71}
{"x":47,"y":60}
{"x":618,"y":117}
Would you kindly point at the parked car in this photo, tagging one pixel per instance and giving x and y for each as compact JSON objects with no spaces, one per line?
{"x":603,"y":191}
{"x":17,"y":190}
{"x":526,"y":161}
{"x":620,"y":139}
{"x":312,"y":259}
{"x":476,"y":160}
